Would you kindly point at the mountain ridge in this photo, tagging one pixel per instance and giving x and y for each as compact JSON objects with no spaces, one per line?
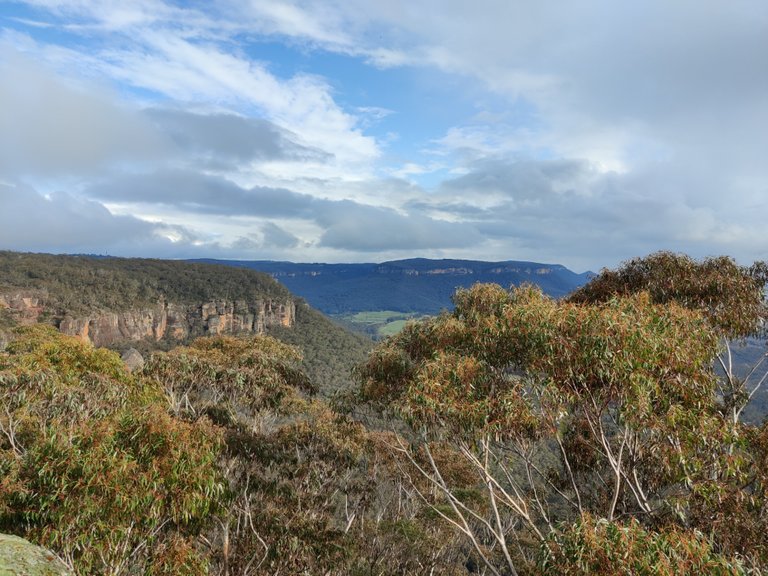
{"x":414,"y":285}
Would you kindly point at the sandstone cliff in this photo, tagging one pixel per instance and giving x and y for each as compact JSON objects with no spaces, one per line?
{"x":164,"y":320}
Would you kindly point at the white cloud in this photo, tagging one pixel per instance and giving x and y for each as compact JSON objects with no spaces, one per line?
{"x":189,"y":57}
{"x":286,"y":18}
{"x":117,"y":15}
{"x":64,"y":223}
{"x":49,"y":126}
{"x":601,"y":130}
{"x":303,"y":104}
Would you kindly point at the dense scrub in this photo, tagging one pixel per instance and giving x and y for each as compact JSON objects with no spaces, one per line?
{"x":213,"y":459}
{"x":585,"y":436}
{"x":605,"y":428}
{"x":93,"y":465}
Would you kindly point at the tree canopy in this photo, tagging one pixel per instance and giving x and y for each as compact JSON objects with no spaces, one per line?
{"x":730,"y":296}
{"x":605,"y":407}
{"x":92,"y":464}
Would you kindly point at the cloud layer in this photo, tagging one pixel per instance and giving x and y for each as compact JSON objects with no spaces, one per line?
{"x":326,"y":130}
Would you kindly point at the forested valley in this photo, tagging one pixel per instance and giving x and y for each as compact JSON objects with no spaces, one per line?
{"x":612,"y":431}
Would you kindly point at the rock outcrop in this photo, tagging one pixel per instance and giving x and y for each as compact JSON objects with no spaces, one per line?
{"x":133,"y":359}
{"x":25,"y":306}
{"x":165,"y":320}
{"x":19,"y":557}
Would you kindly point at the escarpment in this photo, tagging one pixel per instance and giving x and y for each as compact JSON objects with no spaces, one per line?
{"x":149,"y":305}
{"x":117,"y":300}
{"x":171,"y":321}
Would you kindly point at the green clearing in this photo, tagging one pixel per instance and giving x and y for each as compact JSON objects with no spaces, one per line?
{"x":392,"y":328}
{"x":375,"y":316}
{"x":378,"y":323}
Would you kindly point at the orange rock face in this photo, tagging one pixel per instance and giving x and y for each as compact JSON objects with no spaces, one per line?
{"x":163,"y":320}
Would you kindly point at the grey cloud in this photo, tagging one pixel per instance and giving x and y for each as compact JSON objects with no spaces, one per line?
{"x":618,"y":60}
{"x":346,"y":224}
{"x":49,"y":127}
{"x":671,"y":61}
{"x":226,"y":140}
{"x":64,"y":223}
{"x":463,"y":210}
{"x":521,"y":179}
{"x":566,"y":211}
{"x":53,"y":126}
{"x":273,"y":236}
{"x":201,"y":193}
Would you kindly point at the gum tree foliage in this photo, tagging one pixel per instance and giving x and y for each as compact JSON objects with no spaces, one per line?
{"x":730,"y":296}
{"x":309,"y":491}
{"x":602,"y":408}
{"x":212,"y":460}
{"x":92,"y":465}
{"x":601,"y":548}
{"x":225,"y":376}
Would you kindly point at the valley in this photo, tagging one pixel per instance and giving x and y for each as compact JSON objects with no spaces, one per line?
{"x":376,"y":324}
{"x":151,"y":305}
{"x":378,"y":299}
{"x":415,"y":286}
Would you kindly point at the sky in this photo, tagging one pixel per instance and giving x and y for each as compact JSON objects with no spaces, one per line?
{"x":581,"y":133}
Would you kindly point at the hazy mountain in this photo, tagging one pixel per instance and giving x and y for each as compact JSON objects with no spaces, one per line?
{"x":418,"y":285}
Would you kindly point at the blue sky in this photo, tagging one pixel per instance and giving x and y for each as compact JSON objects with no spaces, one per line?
{"x":583,"y":133}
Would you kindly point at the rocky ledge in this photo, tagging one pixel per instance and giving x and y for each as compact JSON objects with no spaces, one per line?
{"x":165,"y":320}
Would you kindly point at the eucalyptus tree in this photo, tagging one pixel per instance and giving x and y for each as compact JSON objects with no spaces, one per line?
{"x":605,"y":406}
{"x":93,"y":466}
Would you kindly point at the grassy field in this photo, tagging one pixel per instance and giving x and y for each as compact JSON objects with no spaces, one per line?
{"x":378,"y":323}
{"x":392,"y":328}
{"x":374,"y":317}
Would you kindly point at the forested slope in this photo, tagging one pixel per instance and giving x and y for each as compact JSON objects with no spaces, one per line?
{"x":329,"y":351}
{"x":82,"y":284}
{"x":156,"y":304}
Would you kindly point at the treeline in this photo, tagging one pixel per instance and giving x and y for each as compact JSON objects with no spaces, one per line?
{"x":84,"y":284}
{"x":419,"y":286}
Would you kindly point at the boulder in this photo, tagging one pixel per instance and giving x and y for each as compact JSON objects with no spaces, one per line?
{"x":19,"y":557}
{"x":133,"y":359}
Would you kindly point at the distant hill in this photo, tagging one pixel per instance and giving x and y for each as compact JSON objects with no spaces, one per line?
{"x":414,"y":286}
{"x":150,"y":304}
